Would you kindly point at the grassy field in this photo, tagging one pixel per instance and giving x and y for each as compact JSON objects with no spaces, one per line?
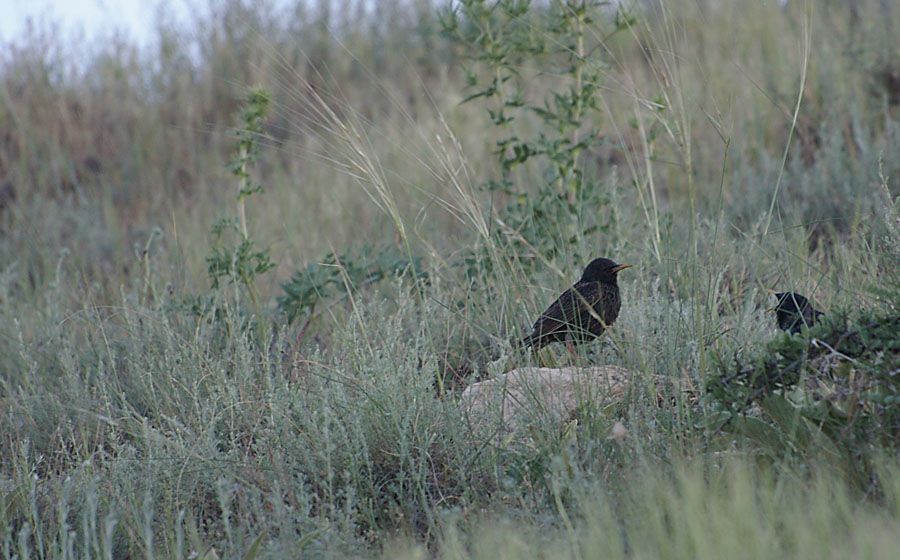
{"x":165,"y":393}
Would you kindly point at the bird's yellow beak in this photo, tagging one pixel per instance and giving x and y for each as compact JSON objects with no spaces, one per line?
{"x":617,"y":268}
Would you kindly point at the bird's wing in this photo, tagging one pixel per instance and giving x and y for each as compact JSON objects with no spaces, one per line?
{"x":563,"y":313}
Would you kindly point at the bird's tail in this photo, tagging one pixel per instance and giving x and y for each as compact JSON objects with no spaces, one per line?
{"x":526,"y":342}
{"x":530,"y":342}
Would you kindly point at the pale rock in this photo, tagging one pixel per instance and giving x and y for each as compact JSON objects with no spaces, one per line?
{"x":530,"y":392}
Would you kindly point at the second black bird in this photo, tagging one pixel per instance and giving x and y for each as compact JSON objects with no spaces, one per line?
{"x":793,"y":311}
{"x":583,"y":311}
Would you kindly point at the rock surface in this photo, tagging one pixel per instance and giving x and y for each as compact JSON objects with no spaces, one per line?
{"x":518,"y":395}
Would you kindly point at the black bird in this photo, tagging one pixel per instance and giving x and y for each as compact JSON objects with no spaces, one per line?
{"x":583,"y":311}
{"x":793,"y":311}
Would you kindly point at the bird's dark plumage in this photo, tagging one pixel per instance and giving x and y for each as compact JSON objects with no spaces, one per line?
{"x":583,"y":311}
{"x":793,"y":311}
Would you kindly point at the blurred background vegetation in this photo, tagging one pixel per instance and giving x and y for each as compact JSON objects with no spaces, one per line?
{"x":432,"y":175}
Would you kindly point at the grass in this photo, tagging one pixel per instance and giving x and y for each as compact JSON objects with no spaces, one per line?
{"x":744,"y":147}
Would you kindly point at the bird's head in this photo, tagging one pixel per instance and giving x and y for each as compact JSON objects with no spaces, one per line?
{"x":602,"y":270}
{"x":793,"y":310}
{"x":790,"y":302}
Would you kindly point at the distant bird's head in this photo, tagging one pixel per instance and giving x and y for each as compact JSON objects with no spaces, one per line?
{"x":793,"y":310}
{"x":602,"y":270}
{"x":790,"y":302}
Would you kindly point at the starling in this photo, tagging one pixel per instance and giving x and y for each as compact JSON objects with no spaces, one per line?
{"x":583,"y":311}
{"x":793,"y":311}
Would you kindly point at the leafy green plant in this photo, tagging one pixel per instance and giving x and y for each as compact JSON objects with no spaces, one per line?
{"x":501,"y":38}
{"x":336,"y":275}
{"x":832,"y":390}
{"x":241,"y":261}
